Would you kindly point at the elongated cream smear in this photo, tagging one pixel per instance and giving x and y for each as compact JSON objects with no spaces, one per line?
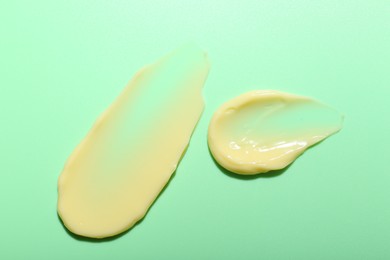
{"x":267,"y":130}
{"x":117,"y":171}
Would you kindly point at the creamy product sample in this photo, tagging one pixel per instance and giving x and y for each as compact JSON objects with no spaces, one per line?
{"x":117,"y":171}
{"x":267,"y":130}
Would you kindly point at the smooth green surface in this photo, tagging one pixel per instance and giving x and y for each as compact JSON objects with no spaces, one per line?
{"x":63,"y":62}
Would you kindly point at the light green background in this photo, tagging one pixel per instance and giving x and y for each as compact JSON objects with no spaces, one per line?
{"x":63,"y":62}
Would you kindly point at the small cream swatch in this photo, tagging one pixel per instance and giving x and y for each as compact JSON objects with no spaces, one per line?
{"x":267,"y":130}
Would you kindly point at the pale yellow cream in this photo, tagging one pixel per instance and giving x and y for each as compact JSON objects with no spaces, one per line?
{"x":267,"y":130}
{"x":117,"y":171}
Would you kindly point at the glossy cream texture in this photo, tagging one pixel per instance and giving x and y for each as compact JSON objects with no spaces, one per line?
{"x":267,"y":130}
{"x":117,"y":171}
